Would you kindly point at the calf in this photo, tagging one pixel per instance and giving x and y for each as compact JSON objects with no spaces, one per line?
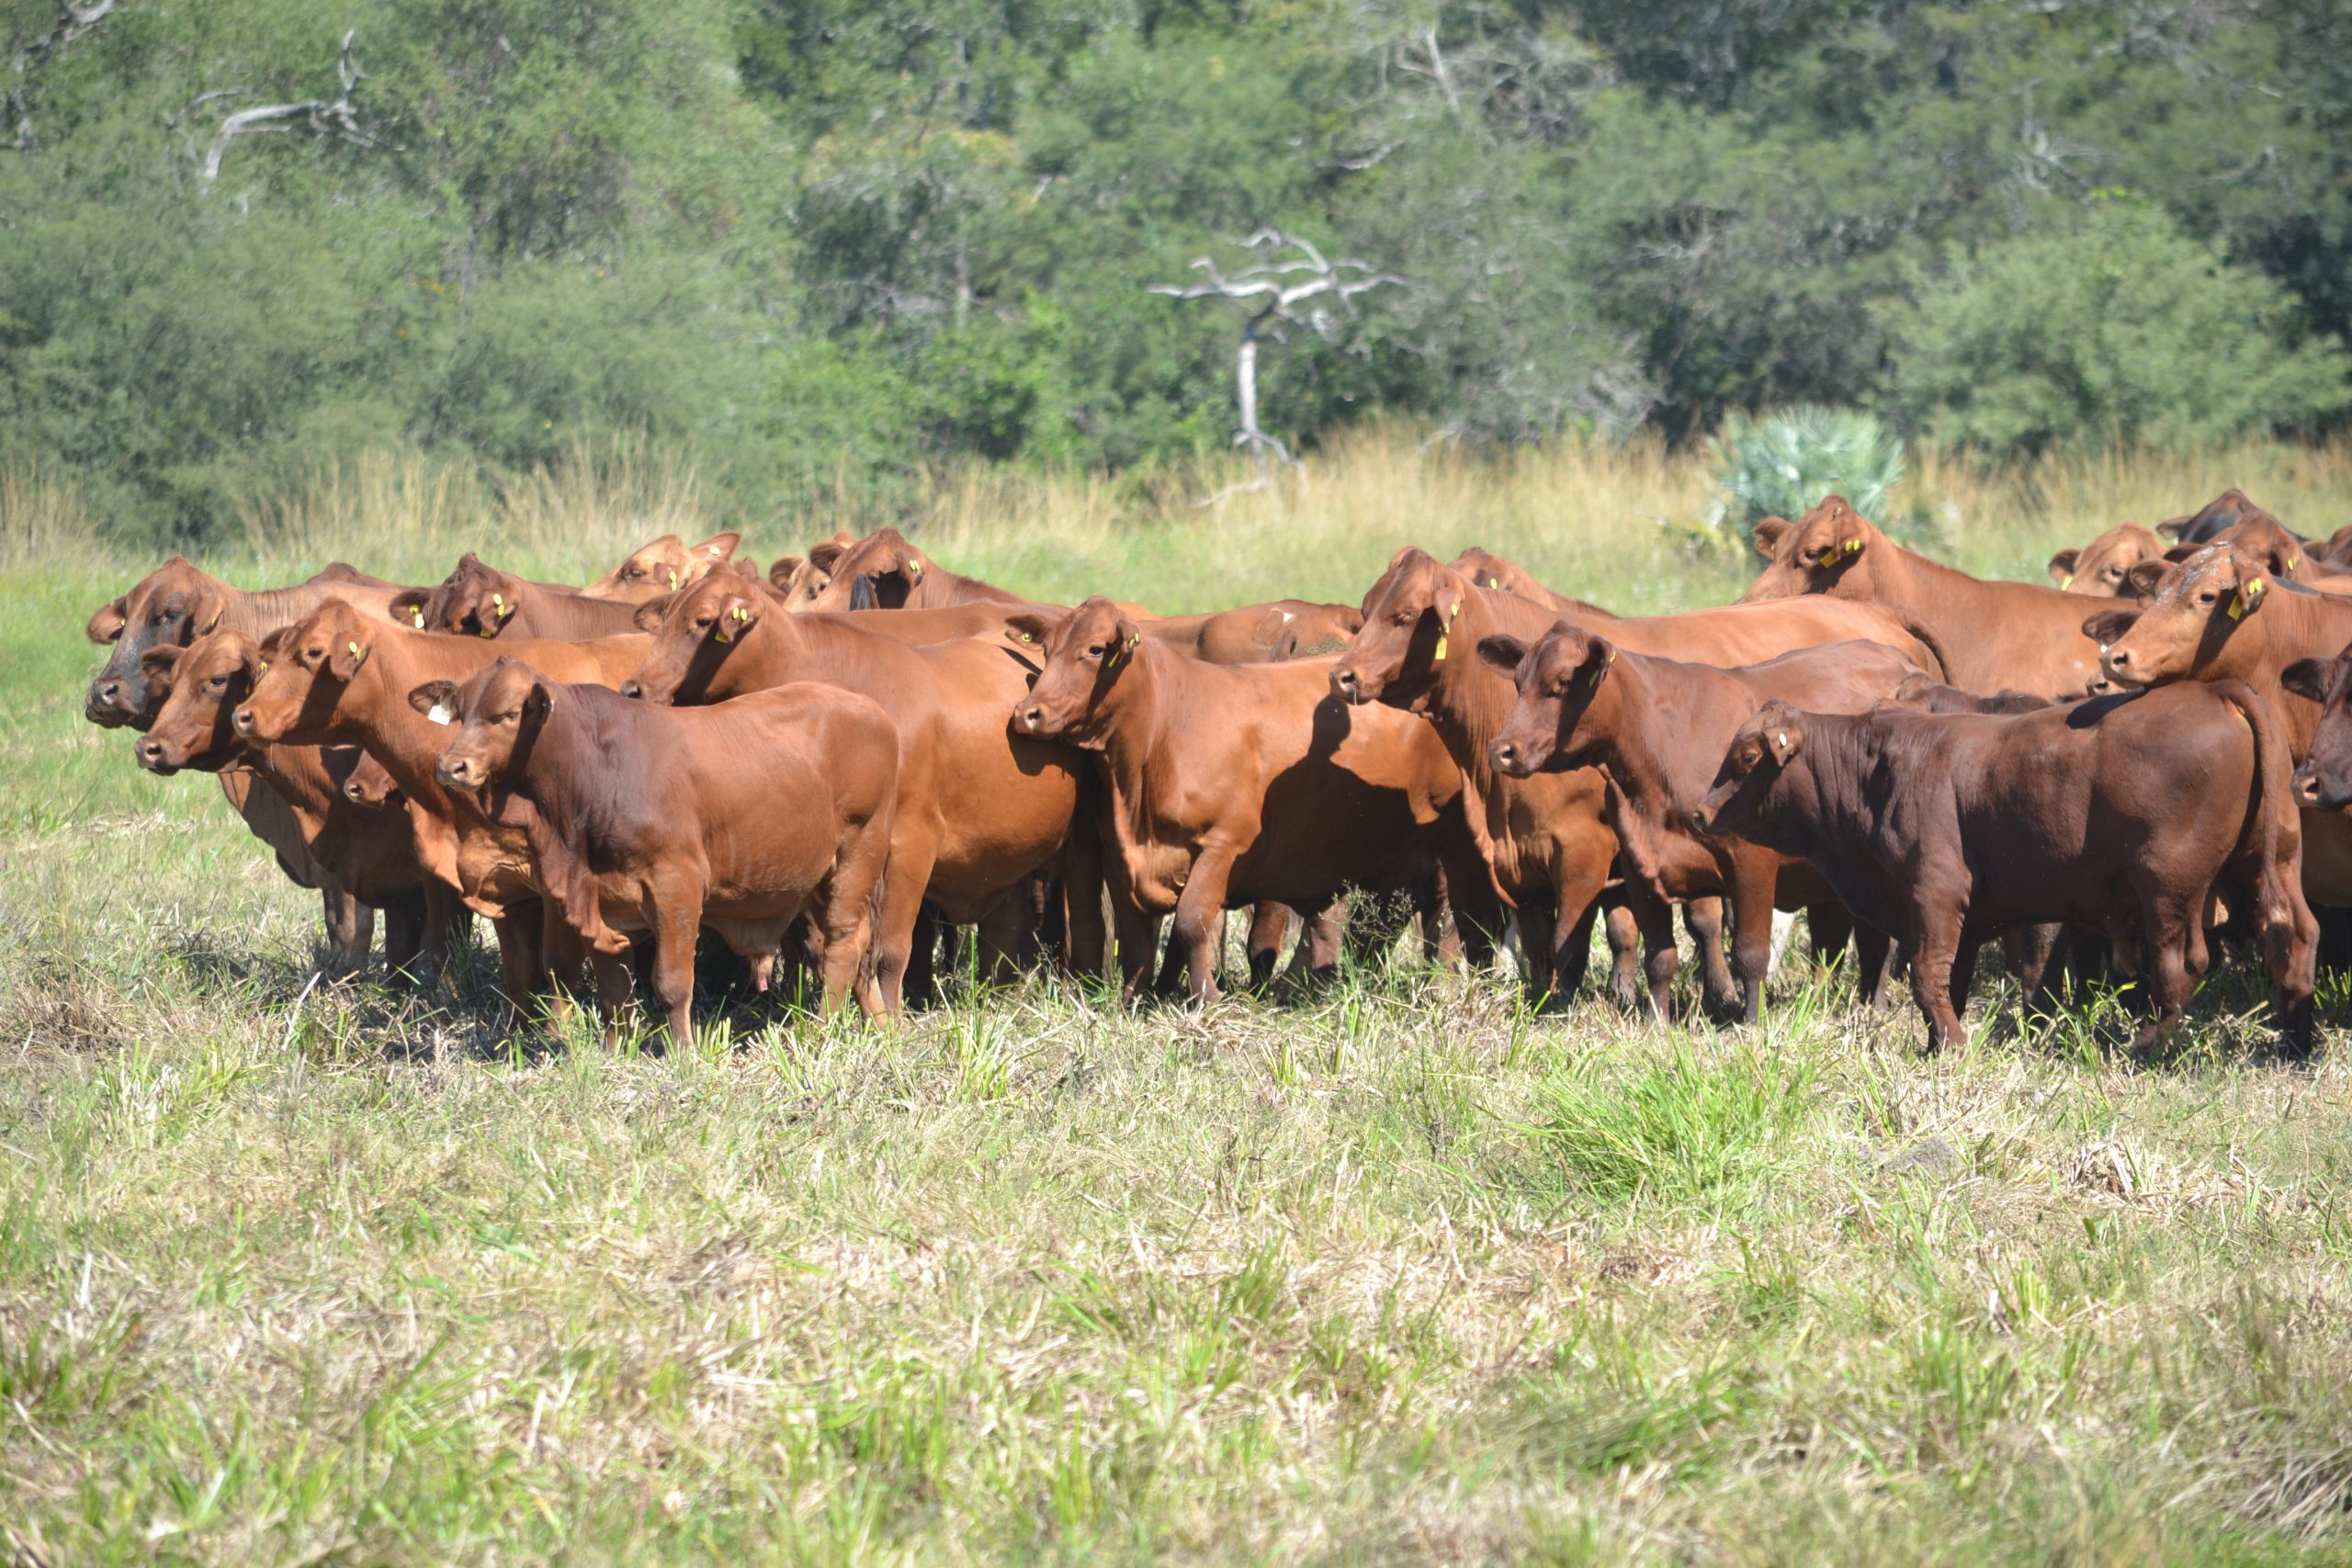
{"x":642,"y":818}
{"x":800,"y":578}
{"x":1992,"y":634}
{"x":1228,"y":785}
{"x":476,"y":599}
{"x":370,"y":852}
{"x":1930,"y":695}
{"x":666,"y":565}
{"x":334,"y":678}
{"x":2121,"y":813}
{"x":1657,"y":726}
{"x":1257,"y":634}
{"x":2098,"y":570}
{"x":1490,"y":570}
{"x":978,"y":809}
{"x":883,"y":572}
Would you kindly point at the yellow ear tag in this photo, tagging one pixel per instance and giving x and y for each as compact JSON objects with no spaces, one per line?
{"x":1494,"y":583}
{"x":1853,"y":546}
{"x":418,"y":616}
{"x":914,"y":571}
{"x":2066,"y":582}
{"x":265,"y":668}
{"x":1438,"y":654}
{"x":505,"y":609}
{"x":2249,"y":594}
{"x":1133,"y":641}
{"x":358,"y":654}
{"x":674,"y":580}
{"x":216,"y":621}
{"x":2290,"y":566}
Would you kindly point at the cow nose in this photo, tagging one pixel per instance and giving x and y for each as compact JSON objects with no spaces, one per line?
{"x":2306,"y":786}
{"x":107,"y":693}
{"x":1702,"y":821}
{"x":1343,"y":684}
{"x":352,"y":792}
{"x":151,"y":752}
{"x":633,"y":690}
{"x":242,"y":721}
{"x":1031,"y":717}
{"x":1503,"y":754}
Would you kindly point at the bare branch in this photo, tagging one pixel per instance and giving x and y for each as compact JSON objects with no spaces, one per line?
{"x":336,"y":117}
{"x":73,"y":21}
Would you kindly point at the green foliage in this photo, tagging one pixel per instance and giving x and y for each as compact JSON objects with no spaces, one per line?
{"x":2117,"y":328}
{"x":1783,"y":465}
{"x":1674,"y":1128}
{"x":828,"y":242}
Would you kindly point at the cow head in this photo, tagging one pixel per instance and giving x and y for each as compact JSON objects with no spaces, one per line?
{"x":2102,"y":568}
{"x":302,"y":674}
{"x":203,"y":684}
{"x":2323,"y":783}
{"x":1492,"y":571}
{"x":474,"y":599}
{"x":801,"y":579}
{"x":1829,"y":550}
{"x":496,"y":715}
{"x":693,"y":633}
{"x":881,"y":571}
{"x":1082,"y":656}
{"x":1759,"y":750}
{"x":1559,"y":680}
{"x":363,"y":780}
{"x":666,"y":565}
{"x":2187,"y":626}
{"x":2263,"y":540}
{"x":1396,"y":656}
{"x":170,"y":607}
{"x":2199,"y":527}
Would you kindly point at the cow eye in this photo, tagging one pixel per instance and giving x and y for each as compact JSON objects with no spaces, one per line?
{"x":217,"y":682}
{"x":2207,"y":598}
{"x":2115,"y":571}
{"x":1095,"y":652}
{"x":701,"y":621}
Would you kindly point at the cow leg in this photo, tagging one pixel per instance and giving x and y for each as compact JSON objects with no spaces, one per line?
{"x":2164,"y":970}
{"x":1625,"y":954}
{"x":1135,"y":932}
{"x":1873,"y":965}
{"x":520,"y":969}
{"x":1578,"y":885}
{"x":616,"y":982}
{"x":1469,"y":892}
{"x":1200,"y":920}
{"x":676,"y":917}
{"x":1269,"y":924}
{"x":351,"y":927}
{"x":1937,"y":961}
{"x":1655,"y":918}
{"x":1704,"y":918}
{"x":848,"y":906}
{"x":1001,"y":934}
{"x":444,"y":918}
{"x":1828,"y":927}
{"x":1440,"y":943}
{"x":2028,"y":951}
{"x":1753,"y":882}
{"x":403,"y":933}
{"x":1086,"y":951}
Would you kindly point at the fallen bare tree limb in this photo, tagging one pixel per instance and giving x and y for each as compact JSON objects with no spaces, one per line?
{"x":336,"y":117}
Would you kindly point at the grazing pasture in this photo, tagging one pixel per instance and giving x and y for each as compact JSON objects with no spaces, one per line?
{"x":300,"y":1271}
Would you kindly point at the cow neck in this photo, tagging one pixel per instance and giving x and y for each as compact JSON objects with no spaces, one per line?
{"x":1630,"y":736}
{"x":266,"y":610}
{"x":1952,"y":603}
{"x":1824,"y":800}
{"x":2290,"y":626}
{"x":800,"y":647}
{"x":1128,"y":729}
{"x":565,"y":772}
{"x":1469,"y":704}
{"x":374,"y":711}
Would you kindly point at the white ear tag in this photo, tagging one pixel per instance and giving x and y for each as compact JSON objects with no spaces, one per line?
{"x":439,"y":713}
{"x":1783,"y":738}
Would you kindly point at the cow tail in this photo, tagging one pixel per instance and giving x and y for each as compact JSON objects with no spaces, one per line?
{"x":1926,"y":638}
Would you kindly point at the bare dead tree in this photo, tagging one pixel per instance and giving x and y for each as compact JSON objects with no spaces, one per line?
{"x":72,"y":22}
{"x":1273,"y":289}
{"x":338,"y":118}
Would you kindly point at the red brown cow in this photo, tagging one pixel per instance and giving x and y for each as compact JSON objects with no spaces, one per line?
{"x":1992,"y":634}
{"x":1490,"y":570}
{"x":642,"y":818}
{"x":802,"y":578}
{"x":1930,"y":695}
{"x":1228,"y":785}
{"x":176,"y":604}
{"x":2269,"y":543}
{"x":2226,"y":510}
{"x":2218,"y":616}
{"x":370,"y":852}
{"x":2124,"y":814}
{"x":1256,"y":634}
{"x":1547,"y":832}
{"x":978,"y":809}
{"x":1658,"y":727}
{"x":2323,"y":782}
{"x":476,"y":599}
{"x":334,"y":678}
{"x":665,"y":566}
{"x":2099,"y":569}
{"x":883,"y":572}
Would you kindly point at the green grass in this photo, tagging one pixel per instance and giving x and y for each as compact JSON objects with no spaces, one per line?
{"x":1398,"y":1272}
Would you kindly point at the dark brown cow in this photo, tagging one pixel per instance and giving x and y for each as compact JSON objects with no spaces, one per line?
{"x":665,"y":566}
{"x":643,"y":818}
{"x":2323,"y":782}
{"x":334,"y":678}
{"x":1993,"y":634}
{"x":978,"y":809}
{"x":2218,"y":616}
{"x":1491,"y":570}
{"x":1658,"y":727}
{"x":370,"y":852}
{"x":2226,"y":510}
{"x":1930,"y":695}
{"x":1228,"y":785}
{"x":477,"y":600}
{"x":883,"y":572}
{"x":176,"y":604}
{"x":2099,"y":570}
{"x":2123,"y":814}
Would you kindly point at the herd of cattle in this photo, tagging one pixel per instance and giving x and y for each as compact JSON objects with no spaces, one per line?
{"x":839,"y":762}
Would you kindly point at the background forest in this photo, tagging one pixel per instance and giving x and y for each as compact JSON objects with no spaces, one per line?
{"x":822,"y":246}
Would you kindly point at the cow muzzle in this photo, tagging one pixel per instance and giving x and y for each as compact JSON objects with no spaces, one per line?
{"x":458,"y":773}
{"x":156,"y":757}
{"x":104,"y":705}
{"x":1507,"y":759}
{"x":2120,"y":667}
{"x":1345,"y":685}
{"x":242,"y":721}
{"x":2314,"y":793}
{"x":1030,"y":716}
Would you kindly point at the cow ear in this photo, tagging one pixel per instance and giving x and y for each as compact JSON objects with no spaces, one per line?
{"x":160,"y":662}
{"x":108,"y":623}
{"x":1770,"y":534}
{"x":2143,"y":578}
{"x":540,"y":703}
{"x":2171,"y":527}
{"x":345,"y":657}
{"x":736,"y":615}
{"x":1030,"y":629}
{"x":435,"y":697}
{"x":2177,"y":554}
{"x":781,"y":570}
{"x":746,"y":568}
{"x":717,"y":547}
{"x":2307,"y":678}
{"x":1502,"y":651}
{"x":2108,"y":625}
{"x":2062,"y":566}
{"x":652,"y":613}
{"x":1350,"y":618}
{"x":1785,"y":740}
{"x":408,"y":606}
{"x":825,"y":552}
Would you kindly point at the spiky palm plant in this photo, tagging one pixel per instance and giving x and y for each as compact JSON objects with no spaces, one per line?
{"x":1784,"y":463}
